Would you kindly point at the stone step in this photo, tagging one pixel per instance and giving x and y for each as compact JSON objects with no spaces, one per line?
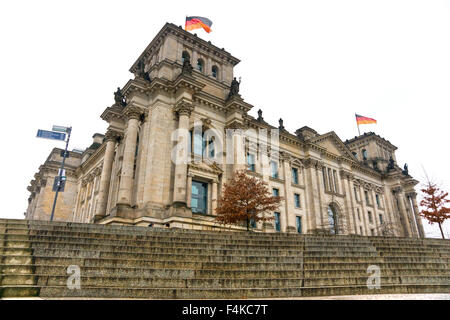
{"x":216,"y":293}
{"x":164,"y":256}
{"x":333,"y":273}
{"x":17,"y":242}
{"x":140,"y":281}
{"x":36,"y":246}
{"x":309,"y":265}
{"x":171,"y":273}
{"x":99,"y":262}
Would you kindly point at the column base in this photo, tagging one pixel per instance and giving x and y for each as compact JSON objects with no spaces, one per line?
{"x":179,"y":209}
{"x":123,"y":211}
{"x":291,"y":229}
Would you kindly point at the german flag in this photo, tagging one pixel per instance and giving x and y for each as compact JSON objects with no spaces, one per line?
{"x":364,"y":120}
{"x":198,"y":23}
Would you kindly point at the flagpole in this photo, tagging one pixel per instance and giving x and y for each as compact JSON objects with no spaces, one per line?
{"x":357,"y":124}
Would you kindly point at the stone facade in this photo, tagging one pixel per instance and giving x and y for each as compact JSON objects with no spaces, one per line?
{"x":134,"y":176}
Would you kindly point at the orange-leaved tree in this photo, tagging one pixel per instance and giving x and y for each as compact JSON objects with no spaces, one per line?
{"x":434,"y":201}
{"x":244,"y":199}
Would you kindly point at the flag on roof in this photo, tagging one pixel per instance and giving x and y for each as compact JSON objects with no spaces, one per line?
{"x":198,"y":23}
{"x":364,"y":120}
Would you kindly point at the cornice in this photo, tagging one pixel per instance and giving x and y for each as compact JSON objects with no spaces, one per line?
{"x":171,"y":29}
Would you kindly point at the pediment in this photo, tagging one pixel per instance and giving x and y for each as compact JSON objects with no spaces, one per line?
{"x":206,"y":166}
{"x":333,"y":144}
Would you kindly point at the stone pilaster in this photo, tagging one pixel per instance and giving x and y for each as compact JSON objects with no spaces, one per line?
{"x":416,"y":213}
{"x":183,"y":109}
{"x":126,"y":178}
{"x":214,"y":196}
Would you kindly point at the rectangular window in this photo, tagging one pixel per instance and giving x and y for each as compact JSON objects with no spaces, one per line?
{"x":199,"y":197}
{"x":366,"y":195}
{"x":294,"y":175}
{"x":252,"y":223}
{"x":275,"y":192}
{"x":372,"y":232}
{"x":381,"y":218}
{"x":251,"y":162}
{"x":377,"y":198}
{"x":370,"y":216}
{"x":360,"y":230}
{"x":330,"y":180}
{"x":336,"y":189}
{"x":356,"y":194}
{"x":324,"y":176}
{"x":299,"y":224}
{"x":198,"y":144}
{"x":359,"y":216}
{"x":274,"y":169}
{"x":297,"y":200}
{"x":277,"y":222}
{"x":211,"y":149}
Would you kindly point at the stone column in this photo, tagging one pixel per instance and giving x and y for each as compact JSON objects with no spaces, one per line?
{"x":126,"y":177}
{"x":183,"y":110}
{"x":288,"y":196}
{"x":416,"y":213}
{"x":214,"y":196}
{"x":403,"y":214}
{"x":105,"y":177}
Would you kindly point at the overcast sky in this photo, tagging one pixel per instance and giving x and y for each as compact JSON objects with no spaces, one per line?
{"x":312,"y":63}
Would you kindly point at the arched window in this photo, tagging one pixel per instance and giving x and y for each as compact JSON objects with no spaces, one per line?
{"x":202,"y":144}
{"x":215,"y":72}
{"x":364,"y":154}
{"x":185,"y":56}
{"x":333,"y":219}
{"x":200,"y":65}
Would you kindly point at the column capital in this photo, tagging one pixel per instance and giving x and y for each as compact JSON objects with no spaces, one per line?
{"x":184,"y":107}
{"x":112,"y":135}
{"x":133,"y":112}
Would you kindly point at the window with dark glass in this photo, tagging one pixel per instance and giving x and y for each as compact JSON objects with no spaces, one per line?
{"x":215,"y":71}
{"x":381,"y":218}
{"x":251,"y":162}
{"x":277,"y":222}
{"x":200,"y":64}
{"x":275,"y":192}
{"x":295,"y":175}
{"x":252,"y":223}
{"x":199,"y":197}
{"x":297,"y":200}
{"x":274,"y":169}
{"x":364,"y":154}
{"x":299,"y":224}
{"x":366,"y":195}
{"x":370,"y":216}
{"x":356,"y":194}
{"x":202,"y":145}
{"x":377,"y":198}
{"x":185,"y":56}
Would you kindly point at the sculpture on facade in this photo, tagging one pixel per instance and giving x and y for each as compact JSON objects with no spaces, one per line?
{"x":405,"y":170}
{"x":187,"y":67}
{"x":234,"y":88}
{"x":391,"y":164}
{"x":119,"y":98}
{"x":281,"y":126}
{"x":141,"y":71}
{"x":260,"y":118}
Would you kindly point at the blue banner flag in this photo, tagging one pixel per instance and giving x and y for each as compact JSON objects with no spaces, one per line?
{"x":51,"y":135}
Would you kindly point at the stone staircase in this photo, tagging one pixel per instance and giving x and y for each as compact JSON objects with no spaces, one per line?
{"x":140,"y":262}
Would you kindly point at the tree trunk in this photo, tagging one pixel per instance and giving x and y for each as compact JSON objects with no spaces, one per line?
{"x":442,"y":232}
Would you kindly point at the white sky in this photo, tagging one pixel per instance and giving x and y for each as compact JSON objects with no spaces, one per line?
{"x":312,"y":63}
